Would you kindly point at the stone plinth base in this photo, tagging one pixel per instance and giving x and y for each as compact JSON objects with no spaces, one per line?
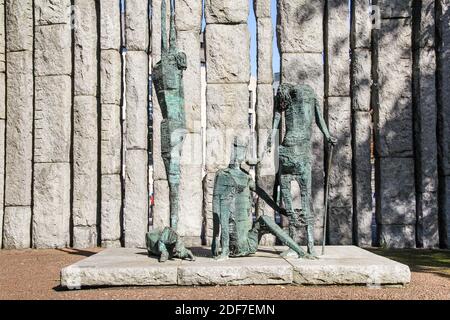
{"x":341,"y":265}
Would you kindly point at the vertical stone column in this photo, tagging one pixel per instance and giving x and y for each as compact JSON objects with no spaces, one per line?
{"x":52,"y":124}
{"x":188,"y":16}
{"x":338,"y":111}
{"x":443,"y":69}
{"x":301,"y":39}
{"x":85,"y":126}
{"x":425,"y":123}
{"x":362,"y":122}
{"x":266,"y":170}
{"x":396,"y":203}
{"x":136,"y":95}
{"x":19,"y":124}
{"x":227,"y":97}
{"x":2,"y":114}
{"x":111,"y":126}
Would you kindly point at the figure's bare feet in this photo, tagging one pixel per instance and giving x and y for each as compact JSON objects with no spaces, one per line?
{"x":222,"y":257}
{"x":164,"y":257}
{"x":289,"y":253}
{"x":311,"y":250}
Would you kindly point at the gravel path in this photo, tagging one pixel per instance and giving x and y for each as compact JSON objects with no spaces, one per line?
{"x":34,"y":274}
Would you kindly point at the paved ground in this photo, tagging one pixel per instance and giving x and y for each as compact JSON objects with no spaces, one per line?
{"x":35,"y":275}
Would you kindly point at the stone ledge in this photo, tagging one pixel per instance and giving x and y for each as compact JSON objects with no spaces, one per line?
{"x":341,"y":265}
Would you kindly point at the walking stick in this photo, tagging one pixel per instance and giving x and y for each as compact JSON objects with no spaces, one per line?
{"x":327,"y":184}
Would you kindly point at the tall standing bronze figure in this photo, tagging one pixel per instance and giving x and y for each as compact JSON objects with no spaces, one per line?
{"x":168,"y":80}
{"x":301,"y":108}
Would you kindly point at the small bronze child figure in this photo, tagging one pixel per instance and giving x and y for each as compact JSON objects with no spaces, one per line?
{"x":167,"y":244}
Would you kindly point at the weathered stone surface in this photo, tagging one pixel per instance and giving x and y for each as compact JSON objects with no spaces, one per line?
{"x":2,"y":95}
{"x":265,"y":50}
{"x":111,"y":206}
{"x":262,"y":8}
{"x":362,"y":27}
{"x":189,"y":43}
{"x":396,"y":195}
{"x":226,"y":11}
{"x":118,"y":267}
{"x":136,"y":77}
{"x":445,"y":211}
{"x":111,"y":139}
{"x":395,"y":39}
{"x":52,"y":12}
{"x":340,"y":225}
{"x":362,"y":173}
{"x":427,"y":24}
{"x":16,"y":228}
{"x":161,"y":210}
{"x":264,"y":106}
{"x":428,"y":226}
{"x":361,"y":86}
{"x":208,"y":189}
{"x":239,"y":271}
{"x":53,"y":55}
{"x":84,"y":237}
{"x":395,"y":8}
{"x":2,"y":53}
{"x":19,"y":25}
{"x":339,"y":122}
{"x":358,"y":267}
{"x":19,"y":128}
{"x":305,"y":68}
{"x":299,"y":26}
{"x":188,"y":15}
{"x":137,"y":30}
{"x":85,"y":165}
{"x":338,"y":48}
{"x":397,"y":236}
{"x":394,"y":132}
{"x":111,"y":76}
{"x":226,"y":113}
{"x":52,"y":119}
{"x":228,"y":53}
{"x":191,"y":193}
{"x":340,"y":265}
{"x":444,"y":90}
{"x":135,"y":214}
{"x":85,"y":48}
{"x":2,"y":174}
{"x":427,"y":117}
{"x":110,"y":25}
{"x":341,"y":191}
{"x":51,"y":214}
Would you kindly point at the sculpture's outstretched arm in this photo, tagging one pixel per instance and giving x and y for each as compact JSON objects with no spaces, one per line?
{"x":266,"y":224}
{"x":321,"y":122}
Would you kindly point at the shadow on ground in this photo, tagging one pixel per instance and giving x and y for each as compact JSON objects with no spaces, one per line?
{"x":420,"y":260}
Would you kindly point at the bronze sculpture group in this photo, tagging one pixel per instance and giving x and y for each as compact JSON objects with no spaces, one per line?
{"x":232,"y":230}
